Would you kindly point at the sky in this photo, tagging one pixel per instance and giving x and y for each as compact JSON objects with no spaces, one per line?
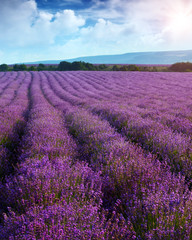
{"x":34,"y":30}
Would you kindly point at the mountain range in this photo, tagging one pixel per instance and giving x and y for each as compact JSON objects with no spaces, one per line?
{"x":161,"y":57}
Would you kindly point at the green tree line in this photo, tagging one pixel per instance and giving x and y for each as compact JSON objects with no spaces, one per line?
{"x":63,"y":66}
{"x":85,"y":66}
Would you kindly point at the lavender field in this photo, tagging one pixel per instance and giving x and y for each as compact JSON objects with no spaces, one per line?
{"x":95,"y":155}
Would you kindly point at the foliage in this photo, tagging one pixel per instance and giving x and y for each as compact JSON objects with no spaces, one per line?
{"x":84,"y":66}
{"x":181,"y":67}
{"x":31,"y":68}
{"x":41,"y":67}
{"x":75,"y":66}
{"x":4,"y":68}
{"x":19,"y":67}
{"x":64,"y":66}
{"x":129,"y":67}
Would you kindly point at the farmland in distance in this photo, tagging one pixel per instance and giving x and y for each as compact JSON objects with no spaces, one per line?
{"x":95,"y":155}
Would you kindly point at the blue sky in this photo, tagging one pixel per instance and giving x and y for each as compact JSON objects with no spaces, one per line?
{"x":33,"y":30}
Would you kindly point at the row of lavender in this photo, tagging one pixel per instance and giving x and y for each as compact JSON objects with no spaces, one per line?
{"x":121,"y":192}
{"x":13,"y":110}
{"x":51,"y":194}
{"x":171,"y":141}
{"x":155,"y":201}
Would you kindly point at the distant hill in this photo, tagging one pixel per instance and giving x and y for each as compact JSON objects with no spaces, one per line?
{"x":164,"y":57}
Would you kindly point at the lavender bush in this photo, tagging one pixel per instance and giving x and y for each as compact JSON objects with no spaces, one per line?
{"x":95,"y":155}
{"x":12,"y":120}
{"x":52,"y":195}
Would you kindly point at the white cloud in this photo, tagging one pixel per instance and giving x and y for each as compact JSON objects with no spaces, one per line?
{"x":22,"y":24}
{"x":67,"y":21}
{"x":117,"y":26}
{"x":15,"y":19}
{"x":104,"y":37}
{"x":104,"y":31}
{"x":148,"y":17}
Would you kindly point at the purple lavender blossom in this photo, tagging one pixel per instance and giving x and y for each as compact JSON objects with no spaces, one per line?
{"x":95,"y":155}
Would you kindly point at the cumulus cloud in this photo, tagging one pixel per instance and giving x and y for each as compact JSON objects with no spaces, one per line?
{"x":22,"y":24}
{"x":105,"y":37}
{"x":104,"y":31}
{"x":148,"y":17}
{"x":67,"y":21}
{"x":127,"y":25}
{"x":107,"y":27}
